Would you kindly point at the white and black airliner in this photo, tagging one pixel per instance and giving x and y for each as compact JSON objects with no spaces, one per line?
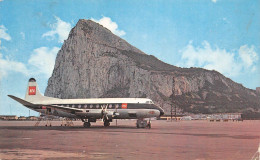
{"x":89,"y":110}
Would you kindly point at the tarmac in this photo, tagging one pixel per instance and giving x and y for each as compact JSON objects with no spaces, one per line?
{"x":189,"y":140}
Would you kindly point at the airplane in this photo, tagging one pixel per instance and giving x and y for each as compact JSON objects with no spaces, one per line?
{"x":89,"y":110}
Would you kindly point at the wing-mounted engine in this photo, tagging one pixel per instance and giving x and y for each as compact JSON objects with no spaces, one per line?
{"x":108,"y":114}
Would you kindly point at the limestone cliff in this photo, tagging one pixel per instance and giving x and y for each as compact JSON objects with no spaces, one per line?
{"x":93,"y":62}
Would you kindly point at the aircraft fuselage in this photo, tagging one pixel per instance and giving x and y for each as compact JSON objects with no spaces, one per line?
{"x":88,"y":110}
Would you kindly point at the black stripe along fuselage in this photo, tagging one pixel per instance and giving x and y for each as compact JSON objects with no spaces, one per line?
{"x":114,"y":106}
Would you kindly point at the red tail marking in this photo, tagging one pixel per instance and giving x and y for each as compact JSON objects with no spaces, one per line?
{"x":151,"y":112}
{"x":32,"y":90}
{"x":124,"y":105}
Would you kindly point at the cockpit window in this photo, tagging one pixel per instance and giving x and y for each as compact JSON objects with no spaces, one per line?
{"x":149,"y":102}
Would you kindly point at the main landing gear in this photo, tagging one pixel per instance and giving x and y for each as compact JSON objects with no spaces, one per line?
{"x":86,"y":124}
{"x":107,"y":123}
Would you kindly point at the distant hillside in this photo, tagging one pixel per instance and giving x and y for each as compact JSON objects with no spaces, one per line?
{"x":93,"y":62}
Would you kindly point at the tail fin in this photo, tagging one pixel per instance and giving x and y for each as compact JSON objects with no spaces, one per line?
{"x":33,"y":93}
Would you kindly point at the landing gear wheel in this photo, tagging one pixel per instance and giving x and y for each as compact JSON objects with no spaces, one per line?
{"x":143,"y":124}
{"x":106,"y":123}
{"x":149,"y":125}
{"x":86,"y":124}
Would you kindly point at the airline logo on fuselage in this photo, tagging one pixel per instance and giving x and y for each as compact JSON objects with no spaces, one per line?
{"x":32,"y":90}
{"x":124,"y":105}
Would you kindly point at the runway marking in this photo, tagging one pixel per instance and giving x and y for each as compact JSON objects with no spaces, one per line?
{"x":37,"y":154}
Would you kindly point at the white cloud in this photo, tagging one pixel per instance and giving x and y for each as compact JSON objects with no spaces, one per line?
{"x":60,"y":28}
{"x":3,"y":34}
{"x":214,"y":1}
{"x":7,"y":66}
{"x":248,"y":55}
{"x":109,"y":24}
{"x":43,"y":60}
{"x":23,"y":35}
{"x":228,"y":63}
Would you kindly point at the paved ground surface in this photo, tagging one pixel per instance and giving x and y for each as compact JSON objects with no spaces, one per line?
{"x":199,"y":140}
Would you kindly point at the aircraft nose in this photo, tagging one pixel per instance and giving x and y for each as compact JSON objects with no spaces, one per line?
{"x":161,"y":112}
{"x":160,"y":109}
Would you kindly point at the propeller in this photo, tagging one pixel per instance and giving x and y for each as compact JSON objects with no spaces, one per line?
{"x":104,"y":112}
{"x":108,"y":114}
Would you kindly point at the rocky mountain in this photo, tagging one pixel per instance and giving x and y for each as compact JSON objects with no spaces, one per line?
{"x":93,"y":62}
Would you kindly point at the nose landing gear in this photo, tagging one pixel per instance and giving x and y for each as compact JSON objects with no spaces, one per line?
{"x":143,"y":123}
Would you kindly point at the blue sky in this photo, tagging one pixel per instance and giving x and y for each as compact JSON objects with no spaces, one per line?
{"x":222,"y":35}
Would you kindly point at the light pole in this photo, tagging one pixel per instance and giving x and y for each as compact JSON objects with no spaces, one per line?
{"x":175,"y":112}
{"x":171,"y":112}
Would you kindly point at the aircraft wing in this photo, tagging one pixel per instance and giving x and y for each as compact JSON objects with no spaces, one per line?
{"x":64,"y":108}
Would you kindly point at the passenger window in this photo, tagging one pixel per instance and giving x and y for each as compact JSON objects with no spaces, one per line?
{"x":85,"y":106}
{"x":97,"y":105}
{"x":110,"y":106}
{"x":91,"y":106}
{"x":73,"y":106}
{"x":117,"y":106}
{"x":79,"y":106}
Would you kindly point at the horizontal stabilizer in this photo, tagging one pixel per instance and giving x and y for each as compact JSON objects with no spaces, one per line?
{"x":28,"y":104}
{"x":23,"y":102}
